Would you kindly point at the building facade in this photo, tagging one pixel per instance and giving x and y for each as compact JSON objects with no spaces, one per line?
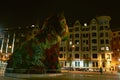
{"x":88,"y":46}
{"x":115,"y":45}
{"x":12,"y":38}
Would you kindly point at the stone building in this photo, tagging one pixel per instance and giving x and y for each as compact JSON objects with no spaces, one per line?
{"x":88,"y":46}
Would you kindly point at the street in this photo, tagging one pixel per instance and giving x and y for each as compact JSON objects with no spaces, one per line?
{"x":66,"y":76}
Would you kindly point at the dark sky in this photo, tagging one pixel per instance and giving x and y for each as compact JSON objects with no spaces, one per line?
{"x":23,"y":13}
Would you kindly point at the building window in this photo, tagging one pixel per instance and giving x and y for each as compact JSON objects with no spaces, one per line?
{"x":86,"y":63}
{"x":93,"y":27}
{"x":94,"y":55}
{"x":101,"y":28}
{"x":107,"y":41}
{"x":86,"y":35}
{"x":103,"y":56}
{"x":76,"y":48}
{"x":94,"y":48}
{"x":86,"y":41}
{"x":114,"y":34}
{"x":94,"y":41}
{"x":61,"y":56}
{"x":70,"y":55}
{"x":76,"y":41}
{"x":103,"y":64}
{"x":102,"y":41}
{"x":76,"y":35}
{"x":83,"y":29}
{"x":102,"y":48}
{"x":75,"y":63}
{"x":101,"y":34}
{"x":76,"y":55}
{"x":93,"y":34}
{"x":95,"y":64}
{"x":85,"y":56}
{"x":108,"y":56}
{"x":87,"y":48}
{"x":106,"y":34}
{"x":83,"y":49}
{"x":83,"y":41}
{"x":61,"y":48}
{"x":87,"y":29}
{"x":77,"y":29}
{"x":71,"y":35}
{"x":70,"y":42}
{"x":78,"y":63}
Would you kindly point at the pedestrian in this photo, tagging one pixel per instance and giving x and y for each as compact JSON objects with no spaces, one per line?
{"x":101,"y":70}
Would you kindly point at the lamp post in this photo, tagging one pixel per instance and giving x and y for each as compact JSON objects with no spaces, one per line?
{"x":71,"y":57}
{"x":118,"y":64}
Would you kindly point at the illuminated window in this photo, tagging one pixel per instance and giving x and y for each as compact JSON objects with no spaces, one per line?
{"x":76,"y":41}
{"x":107,"y":48}
{"x":85,"y":24}
{"x":70,"y":42}
{"x":102,"y":48}
{"x":108,"y":56}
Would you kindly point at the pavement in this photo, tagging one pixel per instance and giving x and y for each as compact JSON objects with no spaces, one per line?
{"x":12,"y":76}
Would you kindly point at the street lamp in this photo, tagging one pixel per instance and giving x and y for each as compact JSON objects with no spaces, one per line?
{"x":119,"y":65}
{"x":71,"y":57}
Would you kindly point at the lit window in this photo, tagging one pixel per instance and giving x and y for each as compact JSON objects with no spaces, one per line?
{"x":76,"y":41}
{"x":107,"y":48}
{"x":102,"y":48}
{"x":70,"y":42}
{"x":85,"y":24}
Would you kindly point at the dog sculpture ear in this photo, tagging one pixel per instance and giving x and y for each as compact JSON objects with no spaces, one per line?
{"x":60,"y":15}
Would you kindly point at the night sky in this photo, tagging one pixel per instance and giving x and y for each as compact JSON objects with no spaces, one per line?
{"x":25,"y":13}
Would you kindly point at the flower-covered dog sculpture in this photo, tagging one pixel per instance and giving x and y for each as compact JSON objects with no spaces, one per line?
{"x":39,"y":53}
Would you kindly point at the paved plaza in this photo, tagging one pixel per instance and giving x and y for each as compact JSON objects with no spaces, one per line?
{"x":64,"y":76}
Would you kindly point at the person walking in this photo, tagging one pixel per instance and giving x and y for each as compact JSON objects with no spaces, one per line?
{"x":101,"y":70}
